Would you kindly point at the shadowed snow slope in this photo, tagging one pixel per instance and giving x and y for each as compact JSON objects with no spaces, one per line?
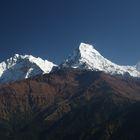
{"x":20,"y":67}
{"x":86,"y":57}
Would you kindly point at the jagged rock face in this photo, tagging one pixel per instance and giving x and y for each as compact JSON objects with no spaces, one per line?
{"x":71,"y":104}
{"x":21,"y":67}
{"x":87,"y":57}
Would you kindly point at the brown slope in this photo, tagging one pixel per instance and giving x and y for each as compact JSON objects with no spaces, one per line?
{"x":68,"y":104}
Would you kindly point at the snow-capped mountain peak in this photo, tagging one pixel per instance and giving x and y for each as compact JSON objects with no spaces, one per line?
{"x":88,"y":49}
{"x":87,"y":57}
{"x":20,"y":67}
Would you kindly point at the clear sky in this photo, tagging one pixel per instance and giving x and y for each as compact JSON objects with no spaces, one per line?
{"x":52,"y":29}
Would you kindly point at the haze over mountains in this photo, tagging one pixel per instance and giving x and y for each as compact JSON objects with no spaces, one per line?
{"x":85,"y":56}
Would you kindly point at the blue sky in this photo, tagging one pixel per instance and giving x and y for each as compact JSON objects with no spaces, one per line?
{"x":52,"y":29}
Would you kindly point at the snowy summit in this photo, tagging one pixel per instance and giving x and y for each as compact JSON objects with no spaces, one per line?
{"x":87,"y":57}
{"x":23,"y":66}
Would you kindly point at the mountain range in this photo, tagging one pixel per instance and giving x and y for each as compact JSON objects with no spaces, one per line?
{"x":86,"y":97}
{"x":84,"y":57}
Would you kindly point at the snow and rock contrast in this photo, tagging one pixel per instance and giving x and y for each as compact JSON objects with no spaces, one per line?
{"x":87,"y":57}
{"x":23,"y":66}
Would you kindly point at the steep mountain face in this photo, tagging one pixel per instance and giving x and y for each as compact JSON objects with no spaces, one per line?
{"x":86,"y":57}
{"x":21,"y":67}
{"x":88,"y":97}
{"x":71,"y":104}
